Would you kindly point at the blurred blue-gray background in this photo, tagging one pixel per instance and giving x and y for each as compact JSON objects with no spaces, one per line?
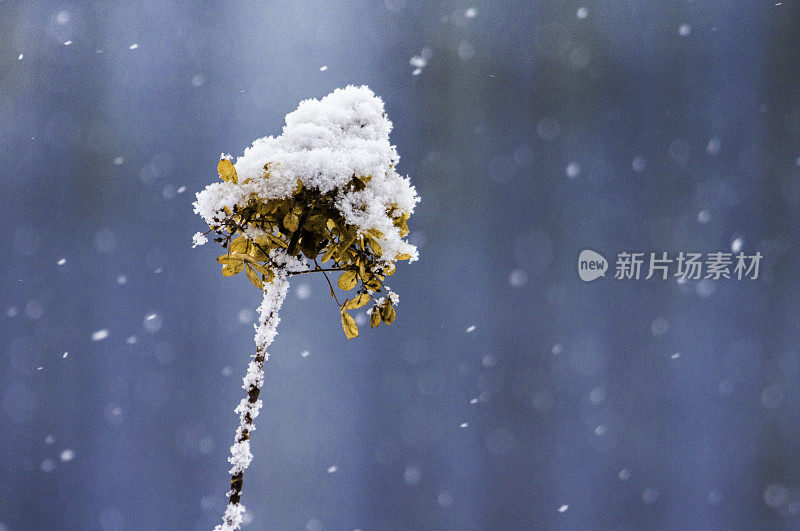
{"x":508,"y":394}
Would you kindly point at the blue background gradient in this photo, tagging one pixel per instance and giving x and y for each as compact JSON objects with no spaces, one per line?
{"x":580,"y":401}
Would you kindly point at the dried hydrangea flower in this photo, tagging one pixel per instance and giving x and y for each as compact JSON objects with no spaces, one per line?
{"x":324,"y":196}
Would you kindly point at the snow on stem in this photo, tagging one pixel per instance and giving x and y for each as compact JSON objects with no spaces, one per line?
{"x":249,"y":407}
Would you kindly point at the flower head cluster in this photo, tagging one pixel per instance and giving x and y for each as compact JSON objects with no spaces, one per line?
{"x":325,"y":190}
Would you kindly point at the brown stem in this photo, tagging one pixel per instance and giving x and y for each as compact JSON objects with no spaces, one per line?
{"x":333,"y":293}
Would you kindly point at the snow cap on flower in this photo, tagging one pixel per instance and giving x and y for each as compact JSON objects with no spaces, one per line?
{"x":325,"y":144}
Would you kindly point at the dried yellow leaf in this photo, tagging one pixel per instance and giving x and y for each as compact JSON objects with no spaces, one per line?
{"x":349,"y":325}
{"x":239,"y":245}
{"x":373,"y":283}
{"x":254,"y":277}
{"x":232,"y":269}
{"x":261,"y":268}
{"x":387,"y":313}
{"x":257,"y":253}
{"x":343,"y":255}
{"x":375,"y":246}
{"x":277,"y":241}
{"x":356,"y":302}
{"x":291,"y":221}
{"x":226,"y":171}
{"x":242,"y":257}
{"x":348,"y":280}
{"x":375,"y":318}
{"x":328,"y":253}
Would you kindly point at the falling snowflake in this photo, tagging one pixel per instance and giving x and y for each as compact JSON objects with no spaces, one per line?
{"x":573,"y":170}
{"x":713,"y":146}
{"x":419,"y":62}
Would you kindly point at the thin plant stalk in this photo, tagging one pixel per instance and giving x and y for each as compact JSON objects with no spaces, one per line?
{"x":249,"y":407}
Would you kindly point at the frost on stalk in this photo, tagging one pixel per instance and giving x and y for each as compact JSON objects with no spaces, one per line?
{"x":324,"y":191}
{"x":232,"y":519}
{"x":250,"y":406}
